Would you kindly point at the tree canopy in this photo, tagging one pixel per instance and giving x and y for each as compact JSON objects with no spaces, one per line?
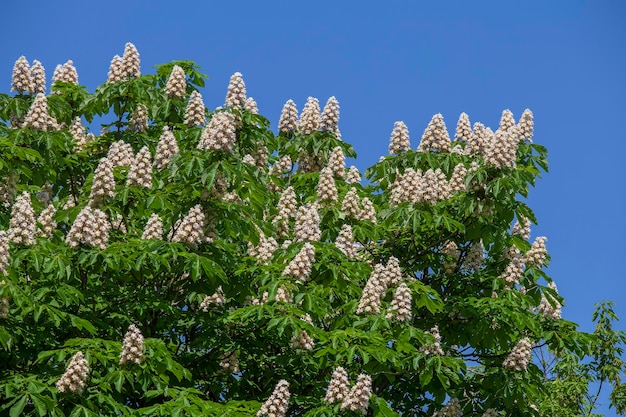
{"x":184,"y":261}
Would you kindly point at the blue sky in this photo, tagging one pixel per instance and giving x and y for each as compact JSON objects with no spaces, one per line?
{"x":400,"y":60}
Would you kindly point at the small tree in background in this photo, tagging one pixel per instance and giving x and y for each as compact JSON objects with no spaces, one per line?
{"x":193,"y":262}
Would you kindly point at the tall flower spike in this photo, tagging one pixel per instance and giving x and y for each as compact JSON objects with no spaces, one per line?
{"x":215,"y":299}
{"x":463,"y":129}
{"x":4,"y":251}
{"x":277,"y":404}
{"x":300,"y":267}
{"x":38,"y":77}
{"x":537,"y":254}
{"x":354,"y":176}
{"x":288,"y":122}
{"x":140,"y":173}
{"x":359,"y":396}
{"x":120,"y":153}
{"x":329,"y":118}
{"x":236,"y":94}
{"x":23,"y":225}
{"x":132,"y":349}
{"x":166,"y":148}
{"x":116,"y":70}
{"x":190,"y":229}
{"x":326,"y":188}
{"x":350,"y":204}
{"x":368,"y":213}
{"x":519,"y":358}
{"x":130,"y":61}
{"x":500,"y":148}
{"x":66,"y":73}
{"x":21,"y":80}
{"x":251,"y":106}
{"x":74,"y":379}
{"x":549,"y":306}
{"x":195,"y":111}
{"x":507,"y":120}
{"x":457,"y":180}
{"x":401,"y":305}
{"x":307,"y":227}
{"x":337,"y":162}
{"x":138,"y":121}
{"x":373,"y":292}
{"x":91,"y":227}
{"x":220,"y":134}
{"x":176,"y":86}
{"x":526,"y":125}
{"x":522,"y":228}
{"x":475,"y":142}
{"x":154,"y":228}
{"x":338,"y":387}
{"x":435,"y":137}
{"x":38,"y":117}
{"x":310,"y":117}
{"x":103,"y":186}
{"x":399,"y":140}
{"x":345,"y":242}
{"x":77,"y":130}
{"x":433,"y":348}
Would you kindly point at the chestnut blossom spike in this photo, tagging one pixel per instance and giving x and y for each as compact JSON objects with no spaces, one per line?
{"x":549,"y":306}
{"x":116,"y":70}
{"x":350,"y":204}
{"x":368,"y":213}
{"x":330,"y":116}
{"x":138,"y":121}
{"x":288,"y":122}
{"x":277,"y":404}
{"x":236,"y":94}
{"x":345,"y":242}
{"x":4,"y":252}
{"x":538,"y":253}
{"x":307,"y":226}
{"x":337,"y":162}
{"x":251,"y":105}
{"x":457,"y":180}
{"x":190,"y":229}
{"x":21,"y":80}
{"x":46,"y":220}
{"x":229,"y":362}
{"x":38,"y":117}
{"x":359,"y":396}
{"x":91,"y":227}
{"x":326,"y":188}
{"x":195,"y":112}
{"x":176,"y":85}
{"x":132,"y":348}
{"x":130,"y":62}
{"x":401,"y":305}
{"x":103,"y":186}
{"x":525,"y":125}
{"x":399,"y":141}
{"x":522,"y":228}
{"x":23,"y":225}
{"x":38,"y":78}
{"x":302,"y":340}
{"x":66,"y":73}
{"x":302,"y":264}
{"x":500,"y":148}
{"x":514,"y":269}
{"x":463,"y":129}
{"x":435,"y":137}
{"x":166,"y":148}
{"x":75,"y":377}
{"x":519,"y":357}
{"x":140,"y":173}
{"x":213,"y":300}
{"x":476,"y":140}
{"x":77,"y":130}
{"x":353,"y":176}
{"x":120,"y":153}
{"x":435,"y":347}
{"x":220,"y":134}
{"x":154,"y":228}
{"x":507,"y":120}
{"x":373,"y":292}
{"x":338,"y":387}
{"x":310,"y":117}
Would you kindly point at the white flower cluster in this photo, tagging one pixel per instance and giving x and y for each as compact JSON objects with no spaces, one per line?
{"x":154,"y":228}
{"x":75,"y":377}
{"x":426,"y":187}
{"x":229,"y":362}
{"x":282,"y":165}
{"x":116,"y":70}
{"x":507,"y":121}
{"x":38,"y":117}
{"x":526,"y":125}
{"x":401,"y":304}
{"x":354,"y":176}
{"x":537,"y":254}
{"x":66,"y":73}
{"x":264,"y":250}
{"x":307,"y":226}
{"x":46,"y":220}
{"x":120,"y":153}
{"x":176,"y":85}
{"x":118,"y":223}
{"x":310,"y":118}
{"x":220,"y":133}
{"x":338,"y":387}
{"x":288,"y":122}
{"x":282,"y":296}
{"x":326,"y":188}
{"x":330,"y":116}
{"x":337,"y":162}
{"x":302,"y":340}
{"x":215,"y":299}
{"x":301,"y":265}
{"x":140,"y":173}
{"x":476,"y":142}
{"x":286,"y":209}
{"x":251,"y":105}
{"x":236,"y":94}
{"x":514,"y":269}
{"x":21,"y":80}
{"x":522,"y":228}
{"x":77,"y":130}
{"x":345,"y":242}
{"x":130,"y":62}
{"x":8,"y":189}
{"x":435,"y":347}
{"x":4,"y":251}
{"x":91,"y":227}
{"x":351,"y":203}
{"x":23,"y":225}
{"x":190,"y":229}
{"x":166,"y":148}
{"x":457,"y":180}
{"x":261,"y":155}
{"x":549,"y":306}
{"x":359,"y":396}
{"x":452,"y":254}
{"x":474,"y":256}
{"x":500,"y":148}
{"x":195,"y":111}
{"x":277,"y":404}
{"x":132,"y":348}
{"x":399,"y":140}
{"x":519,"y":357}
{"x":138,"y":121}
{"x":451,"y":409}
{"x":103,"y":185}
{"x":373,"y":292}
{"x":463,"y":131}
{"x":38,"y":77}
{"x":435,"y":137}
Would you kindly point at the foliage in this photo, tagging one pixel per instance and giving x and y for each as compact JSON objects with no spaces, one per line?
{"x":221,"y":321}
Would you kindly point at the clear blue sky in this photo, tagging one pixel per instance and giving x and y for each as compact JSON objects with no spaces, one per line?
{"x":400,"y":60}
